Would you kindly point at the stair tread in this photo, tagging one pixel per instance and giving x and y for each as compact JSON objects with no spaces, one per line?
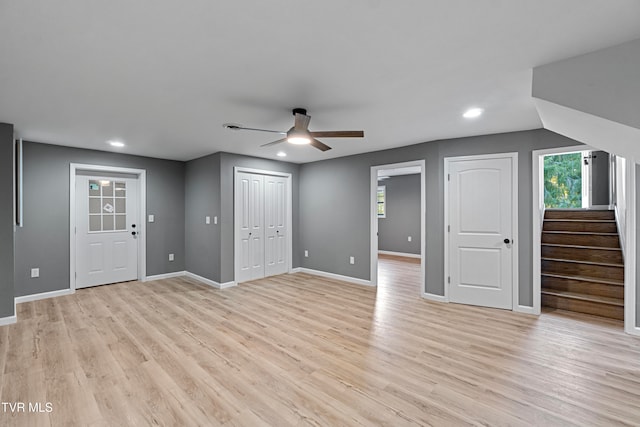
{"x":604,"y":248}
{"x":579,"y":232}
{"x":584,"y":297}
{"x":585,"y":279}
{"x":578,"y":220}
{"x":605,"y":264}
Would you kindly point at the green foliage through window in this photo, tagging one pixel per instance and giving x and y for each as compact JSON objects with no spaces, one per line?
{"x":563,"y":181}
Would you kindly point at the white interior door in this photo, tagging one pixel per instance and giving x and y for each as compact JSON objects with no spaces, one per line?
{"x":106,"y":232}
{"x":481,"y":220}
{"x":275,"y":205}
{"x":249,"y":213}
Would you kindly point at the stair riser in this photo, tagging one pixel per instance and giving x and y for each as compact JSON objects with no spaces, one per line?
{"x":586,"y":270}
{"x":582,"y":254}
{"x":605,"y":215}
{"x":581,"y":240}
{"x":582,"y":287}
{"x":592,"y":227}
{"x":588,"y":307}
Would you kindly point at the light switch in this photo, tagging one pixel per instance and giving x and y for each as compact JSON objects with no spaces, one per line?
{"x":35,"y":272}
{"x":215,"y":219}
{"x":352,"y":260}
{"x":207,"y":220}
{"x":306,"y":254}
{"x":409,"y":238}
{"x":152,"y":218}
{"x":171,"y":257}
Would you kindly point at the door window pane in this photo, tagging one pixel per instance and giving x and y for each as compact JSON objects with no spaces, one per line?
{"x":107,"y":205}
{"x":95,"y":222}
{"x":121,"y":222}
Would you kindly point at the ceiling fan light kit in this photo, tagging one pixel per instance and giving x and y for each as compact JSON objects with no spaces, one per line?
{"x":299,"y":134}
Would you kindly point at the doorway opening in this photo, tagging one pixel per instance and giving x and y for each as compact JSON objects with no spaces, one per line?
{"x":578,"y":180}
{"x":579,"y":252}
{"x":397,"y":227}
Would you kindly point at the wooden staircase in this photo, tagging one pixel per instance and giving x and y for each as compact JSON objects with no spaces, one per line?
{"x":582,"y":265}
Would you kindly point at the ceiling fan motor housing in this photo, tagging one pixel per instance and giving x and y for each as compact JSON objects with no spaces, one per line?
{"x":302,"y":111}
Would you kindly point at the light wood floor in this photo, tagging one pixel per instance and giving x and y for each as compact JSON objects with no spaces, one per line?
{"x":302,"y":350}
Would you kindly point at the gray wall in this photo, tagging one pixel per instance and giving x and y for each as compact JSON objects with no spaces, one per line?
{"x":202,"y":199}
{"x":209,"y":191}
{"x":44,"y":240}
{"x":334,"y":203}
{"x":402,"y":215}
{"x":6,"y":220}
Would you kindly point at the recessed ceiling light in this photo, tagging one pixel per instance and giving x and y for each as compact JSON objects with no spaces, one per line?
{"x":472,"y":112}
{"x":281,"y":154}
{"x":115,"y":143}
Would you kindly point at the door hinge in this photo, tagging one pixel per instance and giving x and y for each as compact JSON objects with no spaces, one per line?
{"x":448,"y":229}
{"x":448,"y":279}
{"x":448,"y":177}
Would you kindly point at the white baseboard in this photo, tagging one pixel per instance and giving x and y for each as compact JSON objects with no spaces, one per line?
{"x":165,"y":276}
{"x":525,"y":309}
{"x":333,"y":276}
{"x":8,"y":320}
{"x":209,"y":282}
{"x":295,"y":270}
{"x":44,"y":295}
{"x":434,"y":297}
{"x":402,"y":254}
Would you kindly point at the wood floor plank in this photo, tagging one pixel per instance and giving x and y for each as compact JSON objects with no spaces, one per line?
{"x":306,"y":350}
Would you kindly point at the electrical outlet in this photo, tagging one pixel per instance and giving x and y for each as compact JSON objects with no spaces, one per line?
{"x":352,"y":260}
{"x":306,"y":254}
{"x":35,"y":272}
{"x":207,"y":219}
{"x":409,"y":239}
{"x":215,"y":219}
{"x":171,"y":257}
{"x":152,"y":218}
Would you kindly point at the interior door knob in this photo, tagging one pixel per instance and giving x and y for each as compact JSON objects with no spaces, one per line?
{"x":133,"y":233}
{"x":507,"y":241}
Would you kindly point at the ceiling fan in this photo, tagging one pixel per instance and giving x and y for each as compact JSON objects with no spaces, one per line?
{"x":300,"y":134}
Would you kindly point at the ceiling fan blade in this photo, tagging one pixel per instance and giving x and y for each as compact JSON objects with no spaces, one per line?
{"x":319,"y":145}
{"x":302,"y":121}
{"x":274,"y":142}
{"x":338,"y":134}
{"x":237,"y":127}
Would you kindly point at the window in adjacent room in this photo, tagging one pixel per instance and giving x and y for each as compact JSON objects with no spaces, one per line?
{"x":382,"y":208}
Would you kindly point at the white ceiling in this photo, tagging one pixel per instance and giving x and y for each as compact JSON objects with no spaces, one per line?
{"x":165,"y":75}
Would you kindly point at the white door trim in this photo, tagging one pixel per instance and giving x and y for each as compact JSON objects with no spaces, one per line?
{"x":516,"y":239}
{"x":74,"y":168}
{"x":236,"y":230}
{"x":374,"y":220}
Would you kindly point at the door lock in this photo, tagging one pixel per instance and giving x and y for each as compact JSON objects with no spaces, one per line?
{"x":133,"y":233}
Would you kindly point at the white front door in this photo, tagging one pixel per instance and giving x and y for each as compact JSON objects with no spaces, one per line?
{"x":106,"y":230}
{"x":249,"y":208}
{"x":275,"y":204}
{"x":480,"y":238}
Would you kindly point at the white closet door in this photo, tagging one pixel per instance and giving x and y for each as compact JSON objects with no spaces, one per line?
{"x":275,"y":189}
{"x":250,"y":217}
